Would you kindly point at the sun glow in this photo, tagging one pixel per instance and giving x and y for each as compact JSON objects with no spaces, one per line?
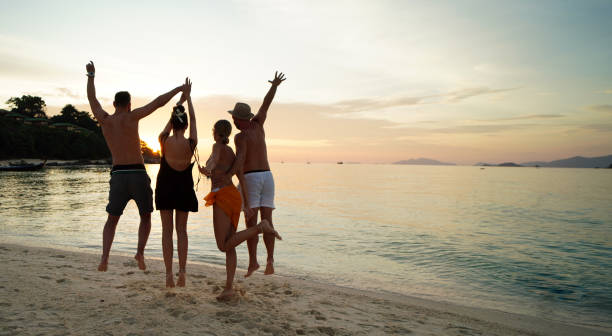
{"x":151,"y":142}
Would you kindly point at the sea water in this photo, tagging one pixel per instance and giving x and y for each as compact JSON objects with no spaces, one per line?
{"x":523,"y":240}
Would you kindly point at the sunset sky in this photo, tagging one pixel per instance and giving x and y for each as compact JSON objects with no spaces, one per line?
{"x":368,"y":81}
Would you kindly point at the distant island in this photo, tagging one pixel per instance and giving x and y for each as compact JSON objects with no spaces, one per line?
{"x":423,"y":161}
{"x":575,"y":162}
{"x":505,"y":164}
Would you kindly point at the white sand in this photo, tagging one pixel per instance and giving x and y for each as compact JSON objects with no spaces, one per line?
{"x":54,"y":292}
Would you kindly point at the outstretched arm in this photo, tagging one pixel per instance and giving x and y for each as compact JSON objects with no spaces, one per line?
{"x":248,"y":212}
{"x":164,"y":134}
{"x":96,"y":108}
{"x":193,"y":130}
{"x":261,"y":115}
{"x":158,"y":102}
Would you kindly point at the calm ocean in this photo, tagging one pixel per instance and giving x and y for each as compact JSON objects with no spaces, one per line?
{"x":524,"y":240}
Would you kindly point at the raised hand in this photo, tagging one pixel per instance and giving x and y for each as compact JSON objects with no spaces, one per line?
{"x":90,"y":67}
{"x":187,"y":87}
{"x":278,"y":78}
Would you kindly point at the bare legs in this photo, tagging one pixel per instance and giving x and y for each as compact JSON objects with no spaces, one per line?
{"x":107,"y":240}
{"x":252,"y":245}
{"x":269,"y":238}
{"x":227,"y":239}
{"x":182,"y":242}
{"x":143,"y":235}
{"x":167,"y":247}
{"x":109,"y":234}
{"x":167,"y":244}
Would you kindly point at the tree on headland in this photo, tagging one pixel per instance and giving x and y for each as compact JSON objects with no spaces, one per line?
{"x":70,"y":114}
{"x":31,"y":106}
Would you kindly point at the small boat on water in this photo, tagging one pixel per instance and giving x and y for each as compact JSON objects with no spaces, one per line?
{"x":23,"y":167}
{"x":340,"y":162}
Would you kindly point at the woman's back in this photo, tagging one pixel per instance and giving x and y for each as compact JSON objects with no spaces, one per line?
{"x":224,"y":163}
{"x":177,"y":151}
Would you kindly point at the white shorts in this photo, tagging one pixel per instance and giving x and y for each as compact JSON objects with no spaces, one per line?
{"x":260,"y":189}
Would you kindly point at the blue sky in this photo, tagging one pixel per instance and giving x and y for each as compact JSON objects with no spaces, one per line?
{"x":370,"y":81}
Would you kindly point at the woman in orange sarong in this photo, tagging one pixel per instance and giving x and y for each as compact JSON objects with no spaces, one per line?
{"x":227,"y":203}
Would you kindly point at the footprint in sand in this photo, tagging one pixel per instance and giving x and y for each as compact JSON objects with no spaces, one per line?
{"x":317,"y":314}
{"x":58,"y":256}
{"x":397,"y":330}
{"x":464,"y":330}
{"x":327,"y":330}
{"x":45,"y":277}
{"x":131,"y":263}
{"x":62,"y":280}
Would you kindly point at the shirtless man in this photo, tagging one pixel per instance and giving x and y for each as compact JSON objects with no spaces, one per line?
{"x":252,"y":160}
{"x":129,"y":179}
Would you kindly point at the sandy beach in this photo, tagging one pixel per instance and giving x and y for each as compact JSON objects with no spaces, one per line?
{"x":55,"y":292}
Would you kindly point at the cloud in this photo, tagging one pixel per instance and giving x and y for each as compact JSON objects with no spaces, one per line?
{"x":369,"y":104}
{"x":298,"y":142}
{"x":528,"y":117}
{"x":68,"y":93}
{"x":600,"y":108}
{"x":599,"y":127}
{"x":461,"y":129}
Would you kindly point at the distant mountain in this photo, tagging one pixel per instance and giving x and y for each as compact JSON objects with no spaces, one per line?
{"x":575,"y":162}
{"x":505,"y":164}
{"x":423,"y":161}
{"x":509,"y":164}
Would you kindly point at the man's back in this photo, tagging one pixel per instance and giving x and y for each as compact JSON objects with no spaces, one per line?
{"x":257,"y":153}
{"x":121,"y":133}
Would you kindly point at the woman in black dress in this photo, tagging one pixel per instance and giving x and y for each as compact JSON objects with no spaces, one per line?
{"x":174,"y":194}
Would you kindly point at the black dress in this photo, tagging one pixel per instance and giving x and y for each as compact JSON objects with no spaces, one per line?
{"x":174,"y":189}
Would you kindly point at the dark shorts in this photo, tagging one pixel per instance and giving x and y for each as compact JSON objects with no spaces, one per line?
{"x":126,"y":185}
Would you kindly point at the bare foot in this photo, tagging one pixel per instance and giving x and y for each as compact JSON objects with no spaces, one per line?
{"x":266,"y":227}
{"x":251,"y":270}
{"x":169,"y":280}
{"x":141,"y":263}
{"x":226,"y":295}
{"x":269,"y":267}
{"x":181,"y":279}
{"x":103,"y":265}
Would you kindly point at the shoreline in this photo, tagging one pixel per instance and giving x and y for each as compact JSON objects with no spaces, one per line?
{"x":65,"y":163}
{"x":69,"y":290}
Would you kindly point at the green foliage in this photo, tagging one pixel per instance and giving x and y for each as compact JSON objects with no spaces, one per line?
{"x":31,"y":106}
{"x":70,"y":114}
{"x":18,"y":140}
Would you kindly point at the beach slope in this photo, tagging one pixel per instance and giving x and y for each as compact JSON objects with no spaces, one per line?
{"x":55,"y":292}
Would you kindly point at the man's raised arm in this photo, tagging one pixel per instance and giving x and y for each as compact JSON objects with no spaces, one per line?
{"x":261,"y":115}
{"x":158,"y":102}
{"x":96,"y":108}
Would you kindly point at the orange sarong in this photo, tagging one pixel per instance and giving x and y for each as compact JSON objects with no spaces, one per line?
{"x":229,"y":200}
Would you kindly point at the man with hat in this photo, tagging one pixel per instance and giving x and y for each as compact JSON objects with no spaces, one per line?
{"x":252,"y":159}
